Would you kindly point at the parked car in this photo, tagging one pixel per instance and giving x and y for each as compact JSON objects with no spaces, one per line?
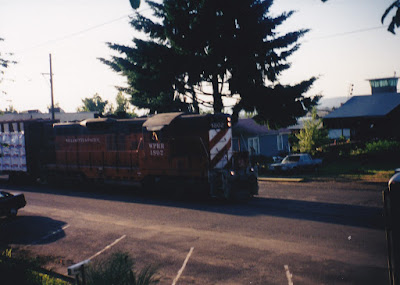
{"x":10,"y":203}
{"x":391,"y":211}
{"x":296,"y":162}
{"x":277,"y":159}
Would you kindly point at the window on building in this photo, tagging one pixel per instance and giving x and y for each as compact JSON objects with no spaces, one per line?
{"x":254,"y":146}
{"x":279,"y":141}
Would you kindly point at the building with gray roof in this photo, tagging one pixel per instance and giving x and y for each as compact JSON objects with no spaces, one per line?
{"x":368,"y":117}
{"x":258,"y":139}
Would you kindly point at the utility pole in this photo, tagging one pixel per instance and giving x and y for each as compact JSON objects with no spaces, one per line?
{"x":51,"y":86}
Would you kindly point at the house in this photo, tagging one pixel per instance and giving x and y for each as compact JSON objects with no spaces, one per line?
{"x":295,"y":129}
{"x":258,"y":139}
{"x":368,"y":117}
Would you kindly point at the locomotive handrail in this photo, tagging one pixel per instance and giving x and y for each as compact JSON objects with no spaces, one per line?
{"x":204,"y":148}
{"x":140,"y":142}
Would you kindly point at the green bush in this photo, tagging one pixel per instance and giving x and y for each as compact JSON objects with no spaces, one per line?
{"x":44,"y":279}
{"x":118,"y":270}
{"x":382,"y":146}
{"x":13,"y":271}
{"x":22,"y":271}
{"x":312,"y":137}
{"x":383,"y":150}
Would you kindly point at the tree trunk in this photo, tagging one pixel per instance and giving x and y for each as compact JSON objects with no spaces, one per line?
{"x":195,"y":102}
{"x":235,"y":113}
{"x":218,"y":106}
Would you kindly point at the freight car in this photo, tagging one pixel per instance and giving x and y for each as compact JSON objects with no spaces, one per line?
{"x":21,"y":145}
{"x":187,"y":149}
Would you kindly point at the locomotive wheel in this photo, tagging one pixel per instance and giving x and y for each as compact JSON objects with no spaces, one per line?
{"x":149,"y":183}
{"x":226,"y":186}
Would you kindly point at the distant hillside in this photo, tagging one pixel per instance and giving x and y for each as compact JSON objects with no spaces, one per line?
{"x":332,"y":102}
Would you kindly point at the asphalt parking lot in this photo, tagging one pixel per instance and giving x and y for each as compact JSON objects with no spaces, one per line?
{"x":303,"y":232}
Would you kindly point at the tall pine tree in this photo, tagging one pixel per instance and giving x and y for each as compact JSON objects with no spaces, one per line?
{"x":215,"y":48}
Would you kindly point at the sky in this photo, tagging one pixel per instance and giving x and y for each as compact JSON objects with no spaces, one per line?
{"x":346,"y":45}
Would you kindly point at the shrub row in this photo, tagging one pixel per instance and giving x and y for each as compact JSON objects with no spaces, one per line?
{"x":118,"y":269}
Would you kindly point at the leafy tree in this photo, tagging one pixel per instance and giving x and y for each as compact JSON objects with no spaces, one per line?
{"x":122,"y":103}
{"x":313,"y":135}
{"x":231,"y":47}
{"x":9,"y":110}
{"x":56,"y":106}
{"x":122,"y":109}
{"x":93,"y":104}
{"x":5,"y":62}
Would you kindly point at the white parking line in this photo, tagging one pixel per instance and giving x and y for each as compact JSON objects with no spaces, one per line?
{"x":288,"y":275}
{"x":78,"y":268}
{"x":107,"y":247}
{"x":50,"y":234}
{"x":183,"y":266}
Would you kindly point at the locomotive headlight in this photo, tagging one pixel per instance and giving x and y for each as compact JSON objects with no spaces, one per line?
{"x":229,"y":121}
{"x":232,"y":173}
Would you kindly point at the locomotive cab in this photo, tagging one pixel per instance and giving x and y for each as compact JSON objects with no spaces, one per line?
{"x":198,"y":148}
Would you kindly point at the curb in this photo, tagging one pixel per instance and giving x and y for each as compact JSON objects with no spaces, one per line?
{"x":280,"y":179}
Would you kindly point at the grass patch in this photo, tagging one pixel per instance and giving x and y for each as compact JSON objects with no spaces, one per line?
{"x":348,"y":168}
{"x":117,"y":269}
{"x":358,"y":170}
{"x":24,"y":271}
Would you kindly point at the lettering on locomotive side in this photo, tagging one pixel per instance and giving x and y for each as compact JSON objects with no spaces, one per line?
{"x":82,"y":140}
{"x":217,"y":125}
{"x":156,"y":149}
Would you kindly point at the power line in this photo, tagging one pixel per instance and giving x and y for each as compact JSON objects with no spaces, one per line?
{"x":80,"y":32}
{"x":347,"y":33}
{"x":75,"y":33}
{"x":128,"y":15}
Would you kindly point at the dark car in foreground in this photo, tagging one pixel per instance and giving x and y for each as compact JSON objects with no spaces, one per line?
{"x":296,"y":163}
{"x":391,"y":203}
{"x":11,"y":203}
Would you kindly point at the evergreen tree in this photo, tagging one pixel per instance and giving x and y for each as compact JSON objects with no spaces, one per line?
{"x":395,"y":23}
{"x":218,"y":48}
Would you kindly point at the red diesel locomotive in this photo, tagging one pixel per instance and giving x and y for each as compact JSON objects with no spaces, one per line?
{"x":189,"y":149}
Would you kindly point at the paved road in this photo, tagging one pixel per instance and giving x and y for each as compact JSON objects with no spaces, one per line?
{"x":307,"y":233}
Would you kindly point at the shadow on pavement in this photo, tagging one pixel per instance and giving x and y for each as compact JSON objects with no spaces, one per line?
{"x":28,"y":230}
{"x":342,"y":214}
